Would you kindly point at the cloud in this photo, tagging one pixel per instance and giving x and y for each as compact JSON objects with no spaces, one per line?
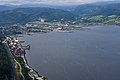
{"x":48,"y":1}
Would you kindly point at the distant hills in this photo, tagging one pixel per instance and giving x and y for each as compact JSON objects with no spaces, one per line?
{"x":4,"y":8}
{"x":10,"y":7}
{"x":98,"y":9}
{"x":10,"y":14}
{"x":23,"y":15}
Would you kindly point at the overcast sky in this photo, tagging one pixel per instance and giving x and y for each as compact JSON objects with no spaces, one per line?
{"x":50,"y":1}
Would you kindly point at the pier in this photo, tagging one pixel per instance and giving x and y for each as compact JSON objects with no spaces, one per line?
{"x":26,"y":47}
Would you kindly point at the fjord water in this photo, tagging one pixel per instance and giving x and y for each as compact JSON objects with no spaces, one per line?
{"x":82,"y":55}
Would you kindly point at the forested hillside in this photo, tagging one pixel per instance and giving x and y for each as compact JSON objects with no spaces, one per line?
{"x":5,"y":66}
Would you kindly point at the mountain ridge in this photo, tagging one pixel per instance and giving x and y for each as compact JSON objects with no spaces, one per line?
{"x":21,"y":14}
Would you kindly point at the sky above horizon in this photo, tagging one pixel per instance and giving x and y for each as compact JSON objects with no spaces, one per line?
{"x":50,"y":1}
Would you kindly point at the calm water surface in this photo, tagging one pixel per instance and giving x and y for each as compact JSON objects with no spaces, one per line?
{"x":82,"y":55}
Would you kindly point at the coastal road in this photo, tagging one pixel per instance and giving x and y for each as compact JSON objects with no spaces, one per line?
{"x":20,"y":68}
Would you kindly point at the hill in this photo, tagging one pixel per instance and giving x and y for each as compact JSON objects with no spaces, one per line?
{"x":11,"y":7}
{"x":98,"y":9}
{"x":4,"y":8}
{"x":6,"y":72}
{"x":23,"y":15}
{"x":30,"y":12}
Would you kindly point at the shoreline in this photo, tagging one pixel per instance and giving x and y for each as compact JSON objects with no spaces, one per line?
{"x":31,"y":72}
